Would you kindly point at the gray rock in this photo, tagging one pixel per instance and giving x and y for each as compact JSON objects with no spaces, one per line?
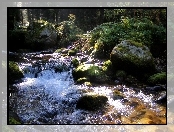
{"x":133,"y":58}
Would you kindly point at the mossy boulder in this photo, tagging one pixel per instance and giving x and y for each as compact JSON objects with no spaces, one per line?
{"x":121,"y":75}
{"x":118,"y":95}
{"x":132,"y":57}
{"x":90,"y":71}
{"x":91,"y":102}
{"x":158,"y":78}
{"x":75,"y":62}
{"x":14,"y":72}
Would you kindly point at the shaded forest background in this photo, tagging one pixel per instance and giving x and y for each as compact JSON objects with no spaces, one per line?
{"x":107,"y":27}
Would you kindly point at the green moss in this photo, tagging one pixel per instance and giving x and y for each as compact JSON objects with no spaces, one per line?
{"x":14,"y":72}
{"x":159,"y":78}
{"x":91,"y":102}
{"x":13,"y":121}
{"x":107,"y":66}
{"x":75,"y":62}
{"x":133,"y":60}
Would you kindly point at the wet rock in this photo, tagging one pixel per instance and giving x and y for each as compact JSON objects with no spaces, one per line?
{"x":49,"y":114}
{"x":43,"y":120}
{"x":91,"y":102}
{"x":162,"y":99}
{"x":132,"y":57}
{"x":13,"y":90}
{"x":118,"y":95}
{"x":155,"y":89}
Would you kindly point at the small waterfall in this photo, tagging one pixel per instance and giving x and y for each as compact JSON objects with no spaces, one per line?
{"x":48,"y":95}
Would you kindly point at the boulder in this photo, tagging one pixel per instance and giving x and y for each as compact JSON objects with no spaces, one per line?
{"x":91,"y":102}
{"x":132,"y":57}
{"x":91,"y":72}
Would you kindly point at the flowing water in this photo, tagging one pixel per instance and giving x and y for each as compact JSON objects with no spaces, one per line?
{"x":48,"y":95}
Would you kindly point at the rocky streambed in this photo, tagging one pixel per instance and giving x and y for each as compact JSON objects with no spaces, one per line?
{"x":48,"y":94}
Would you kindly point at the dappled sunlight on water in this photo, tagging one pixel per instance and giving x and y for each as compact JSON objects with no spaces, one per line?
{"x":49,"y":97}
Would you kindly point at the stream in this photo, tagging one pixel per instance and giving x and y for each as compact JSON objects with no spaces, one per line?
{"x":48,"y":95}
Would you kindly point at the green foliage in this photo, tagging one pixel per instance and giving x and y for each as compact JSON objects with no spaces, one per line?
{"x":75,"y":62}
{"x":68,"y":31}
{"x":91,"y":102}
{"x":105,"y":36}
{"x":12,"y":121}
{"x":95,"y":73}
{"x":107,"y":66}
{"x":33,"y":38}
{"x":14,"y":72}
{"x":159,"y":78}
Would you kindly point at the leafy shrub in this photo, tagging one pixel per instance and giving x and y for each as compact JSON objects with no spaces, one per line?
{"x":68,"y":31}
{"x":14,"y":72}
{"x":105,"y":36}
